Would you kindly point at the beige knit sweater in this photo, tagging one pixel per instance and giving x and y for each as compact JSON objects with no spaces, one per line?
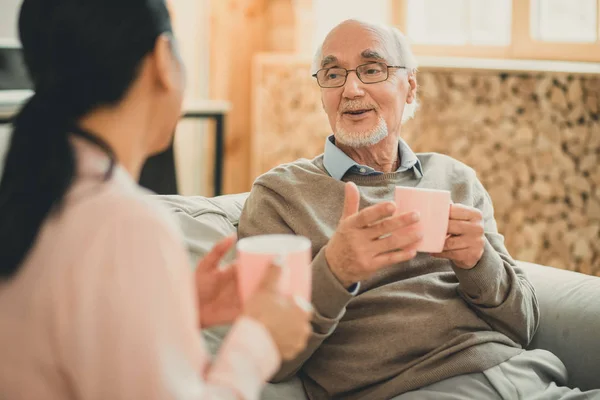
{"x":412,"y":324}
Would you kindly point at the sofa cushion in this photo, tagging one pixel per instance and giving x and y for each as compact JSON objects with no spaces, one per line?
{"x":204,"y":221}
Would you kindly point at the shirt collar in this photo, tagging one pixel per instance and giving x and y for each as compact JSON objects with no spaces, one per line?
{"x":337,"y":163}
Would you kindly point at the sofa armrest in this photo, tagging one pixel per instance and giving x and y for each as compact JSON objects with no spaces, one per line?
{"x":204,"y":221}
{"x":569,"y":321}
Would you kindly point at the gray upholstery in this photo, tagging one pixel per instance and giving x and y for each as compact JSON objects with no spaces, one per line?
{"x":569,"y":302}
{"x":570,"y":321}
{"x":205,"y":220}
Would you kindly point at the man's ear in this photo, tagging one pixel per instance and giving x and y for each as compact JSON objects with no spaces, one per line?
{"x":412,"y":92}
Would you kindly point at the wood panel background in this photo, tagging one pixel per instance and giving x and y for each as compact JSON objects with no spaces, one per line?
{"x":534,"y":140}
{"x":240,"y":29}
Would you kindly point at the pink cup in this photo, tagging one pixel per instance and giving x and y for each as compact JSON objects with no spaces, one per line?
{"x":434,"y":209}
{"x":257,"y":252}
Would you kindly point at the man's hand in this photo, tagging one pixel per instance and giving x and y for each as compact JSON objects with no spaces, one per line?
{"x":370,"y":240}
{"x":464,"y":246}
{"x":218,"y":297}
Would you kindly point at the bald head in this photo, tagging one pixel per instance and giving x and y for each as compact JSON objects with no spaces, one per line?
{"x":389,"y":40}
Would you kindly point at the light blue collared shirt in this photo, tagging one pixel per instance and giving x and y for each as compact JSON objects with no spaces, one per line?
{"x":338,"y":164}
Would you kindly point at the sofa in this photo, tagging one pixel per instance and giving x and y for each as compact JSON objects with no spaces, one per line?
{"x":569,"y":301}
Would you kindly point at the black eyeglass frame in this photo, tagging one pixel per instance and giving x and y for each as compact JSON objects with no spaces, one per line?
{"x":355,"y":70}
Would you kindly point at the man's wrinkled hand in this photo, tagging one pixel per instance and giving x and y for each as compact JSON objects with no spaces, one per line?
{"x":370,"y":240}
{"x":464,"y":245}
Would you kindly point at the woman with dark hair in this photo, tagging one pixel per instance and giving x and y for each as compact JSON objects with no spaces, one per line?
{"x":96,"y":297}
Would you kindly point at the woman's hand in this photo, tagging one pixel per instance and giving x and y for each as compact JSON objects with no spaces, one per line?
{"x":286,"y":318}
{"x":218,"y":296}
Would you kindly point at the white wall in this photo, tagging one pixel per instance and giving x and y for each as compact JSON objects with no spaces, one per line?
{"x":192,"y":30}
{"x":9,"y":10}
{"x":329,"y":13}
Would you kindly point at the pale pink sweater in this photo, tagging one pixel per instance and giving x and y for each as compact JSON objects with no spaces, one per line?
{"x":104,"y":307}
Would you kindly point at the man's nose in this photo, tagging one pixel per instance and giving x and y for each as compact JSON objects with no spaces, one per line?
{"x":353,"y":87}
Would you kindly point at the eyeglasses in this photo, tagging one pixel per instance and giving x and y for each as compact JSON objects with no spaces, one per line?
{"x":373,"y":72}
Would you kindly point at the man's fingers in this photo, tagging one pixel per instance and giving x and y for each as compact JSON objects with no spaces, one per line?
{"x":456,"y":243}
{"x":392,"y":224}
{"x":394,"y":257}
{"x":401,"y":240}
{"x":458,"y":228}
{"x":373,"y":214}
{"x":212,"y":259}
{"x":351,"y":200}
{"x":464,"y":213}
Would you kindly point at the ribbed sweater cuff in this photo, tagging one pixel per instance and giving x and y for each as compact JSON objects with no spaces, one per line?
{"x":329,"y":296}
{"x":482,"y":282}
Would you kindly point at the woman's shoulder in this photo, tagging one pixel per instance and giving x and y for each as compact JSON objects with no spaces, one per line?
{"x":104,"y":237}
{"x":115,"y":205}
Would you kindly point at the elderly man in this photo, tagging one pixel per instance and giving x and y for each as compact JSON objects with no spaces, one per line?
{"x":391,"y":323}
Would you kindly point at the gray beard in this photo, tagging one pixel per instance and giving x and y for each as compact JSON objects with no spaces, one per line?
{"x":362,"y":139}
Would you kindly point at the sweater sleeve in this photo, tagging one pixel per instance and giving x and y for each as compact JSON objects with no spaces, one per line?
{"x":132,"y":323}
{"x":496,"y":288}
{"x":266,"y":212}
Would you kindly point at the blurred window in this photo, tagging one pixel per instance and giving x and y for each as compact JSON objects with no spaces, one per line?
{"x":566,"y":30}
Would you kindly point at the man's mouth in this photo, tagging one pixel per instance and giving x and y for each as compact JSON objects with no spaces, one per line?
{"x":358,"y":112}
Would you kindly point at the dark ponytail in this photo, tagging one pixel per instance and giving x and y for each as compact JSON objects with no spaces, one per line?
{"x":80,"y":54}
{"x":39,"y":169}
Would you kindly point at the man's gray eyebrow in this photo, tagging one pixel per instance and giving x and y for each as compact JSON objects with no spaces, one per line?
{"x":328,"y":60}
{"x":372,"y":54}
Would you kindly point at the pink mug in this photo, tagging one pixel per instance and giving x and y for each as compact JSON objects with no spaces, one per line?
{"x":257,"y":252}
{"x":434,"y":209}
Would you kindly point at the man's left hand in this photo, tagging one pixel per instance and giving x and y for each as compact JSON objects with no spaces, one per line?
{"x":464,"y":245}
{"x":218,"y":298}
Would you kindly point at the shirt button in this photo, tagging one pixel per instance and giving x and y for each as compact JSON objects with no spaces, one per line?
{"x":362,"y":170}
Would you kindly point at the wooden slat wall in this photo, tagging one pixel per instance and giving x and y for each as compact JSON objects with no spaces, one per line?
{"x":238,"y":31}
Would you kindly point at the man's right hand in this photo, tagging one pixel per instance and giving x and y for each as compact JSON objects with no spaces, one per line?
{"x":370,"y":240}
